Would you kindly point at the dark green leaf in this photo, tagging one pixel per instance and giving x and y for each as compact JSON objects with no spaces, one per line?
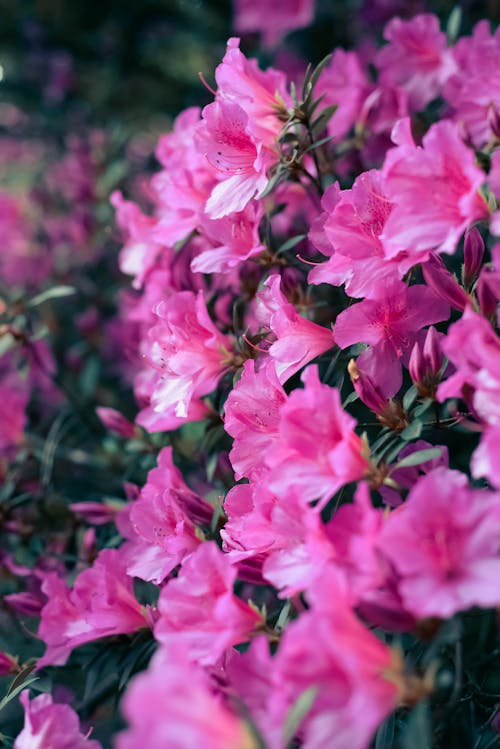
{"x":55,"y":292}
{"x":418,"y":729}
{"x":419,"y":457}
{"x":412,"y":431}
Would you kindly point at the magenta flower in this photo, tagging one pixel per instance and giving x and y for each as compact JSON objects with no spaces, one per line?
{"x":329,"y":650}
{"x":226,"y":139}
{"x":318,"y":450}
{"x":140,"y":251}
{"x":344,"y":83}
{"x":272,"y":21}
{"x":289,"y":542}
{"x":434,"y":188}
{"x":476,"y":83}
{"x":252,"y":413}
{"x":477,"y":376}
{"x":101,"y":603}
{"x":235,"y":238}
{"x":163,"y":531}
{"x":485,"y":460}
{"x":262,"y":94}
{"x":173,"y":705}
{"x":199,"y":611}
{"x":415,"y":58}
{"x":298,"y":340}
{"x":353,"y":224}
{"x":187,"y":351}
{"x":48,"y":725}
{"x":389,"y":324}
{"x":444,"y":545}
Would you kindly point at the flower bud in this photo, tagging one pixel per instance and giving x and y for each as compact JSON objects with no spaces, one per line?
{"x":425,"y":365}
{"x":116,"y":422}
{"x":8,"y":664}
{"x":390,"y":413}
{"x":486,"y":296}
{"x":439,"y":278}
{"x":473,"y":256}
{"x":365,"y":388}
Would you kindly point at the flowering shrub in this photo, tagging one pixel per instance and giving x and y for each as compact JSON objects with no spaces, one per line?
{"x":296,"y":533}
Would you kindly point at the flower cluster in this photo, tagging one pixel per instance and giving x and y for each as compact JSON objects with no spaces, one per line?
{"x":304,"y":361}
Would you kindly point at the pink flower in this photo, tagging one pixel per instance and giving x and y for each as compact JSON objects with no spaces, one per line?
{"x":344,"y":83}
{"x":162,"y":521}
{"x":181,"y":189}
{"x":187,"y":351}
{"x":353,"y":222}
{"x":328,"y":650}
{"x":252,"y":413}
{"x":199,"y":611}
{"x":415,"y":58}
{"x":389,"y":324}
{"x":476,"y":83}
{"x":48,"y":725}
{"x":101,"y":603}
{"x":140,"y":252}
{"x":298,"y":340}
{"x":477,"y":378}
{"x":444,"y":545}
{"x":485,"y":460}
{"x":317,"y":451}
{"x":434,"y":188}
{"x":172,"y":705}
{"x":272,"y":21}
{"x":289,"y":541}
{"x":225,"y":137}
{"x":262,"y":94}
{"x":235,"y":238}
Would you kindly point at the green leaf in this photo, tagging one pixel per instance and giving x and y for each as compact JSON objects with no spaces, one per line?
{"x":292,"y":242}
{"x":277,"y":177}
{"x":319,"y":69}
{"x":412,"y":431}
{"x":54,"y":293}
{"x":350,"y":399}
{"x":323,"y":118}
{"x":409,"y":398}
{"x":385,"y":735}
{"x":14,"y":692}
{"x":419,"y":457}
{"x":298,"y":712}
{"x":422,"y":408}
{"x":418,"y":729}
{"x":453,"y":25}
{"x":7,"y":341}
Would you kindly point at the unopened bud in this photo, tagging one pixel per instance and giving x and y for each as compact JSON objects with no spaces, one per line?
{"x":116,"y":422}
{"x":390,"y":413}
{"x":486,"y":295}
{"x":425,"y":365}
{"x":473,"y":256}
{"x":8,"y":664}
{"x":365,"y":388}
{"x":439,"y":278}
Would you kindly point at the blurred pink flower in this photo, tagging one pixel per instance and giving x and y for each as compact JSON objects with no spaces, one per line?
{"x":48,"y":725}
